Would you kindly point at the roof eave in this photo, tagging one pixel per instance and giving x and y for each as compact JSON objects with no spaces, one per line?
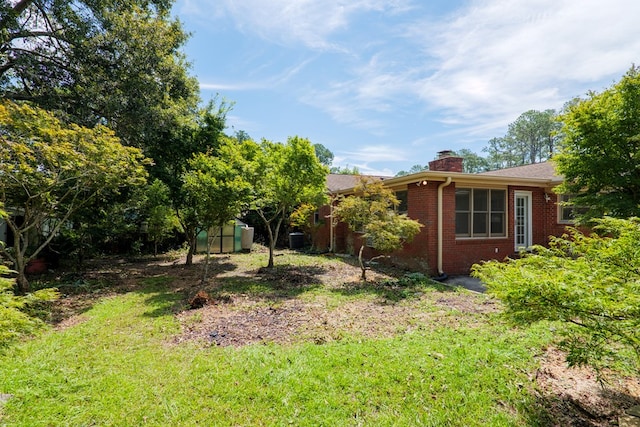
{"x":461,"y":178}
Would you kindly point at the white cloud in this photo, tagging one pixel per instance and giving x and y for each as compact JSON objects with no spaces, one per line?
{"x":281,"y":78}
{"x":307,"y":22}
{"x":230,"y":86}
{"x":374,"y":153}
{"x":374,"y":90}
{"x":363,"y":157}
{"x":474,"y":72}
{"x":339,"y":102}
{"x":500,"y":58}
{"x":489,"y":62}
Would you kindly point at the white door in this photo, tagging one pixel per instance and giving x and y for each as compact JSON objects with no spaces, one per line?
{"x":522,"y":220}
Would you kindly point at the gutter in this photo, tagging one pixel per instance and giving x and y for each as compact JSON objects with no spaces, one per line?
{"x":331,"y":226}
{"x":441,"y":274}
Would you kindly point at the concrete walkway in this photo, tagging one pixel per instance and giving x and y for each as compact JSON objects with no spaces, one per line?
{"x":470,"y":283}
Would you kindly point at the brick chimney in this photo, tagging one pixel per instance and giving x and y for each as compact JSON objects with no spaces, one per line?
{"x":446,"y":162}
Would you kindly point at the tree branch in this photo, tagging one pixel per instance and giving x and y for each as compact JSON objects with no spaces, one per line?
{"x":18,"y":8}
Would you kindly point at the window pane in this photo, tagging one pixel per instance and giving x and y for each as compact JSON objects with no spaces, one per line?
{"x":462,"y":223}
{"x":567,"y":213}
{"x":227,"y":244}
{"x":403,"y":199}
{"x":228,"y":230}
{"x":481,"y":212}
{"x":497,"y":224}
{"x":497,"y":200}
{"x":462,"y":200}
{"x":480,"y":200}
{"x":479,"y":224}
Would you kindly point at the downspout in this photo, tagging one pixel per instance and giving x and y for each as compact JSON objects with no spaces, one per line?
{"x":331,"y":225}
{"x":441,"y":274}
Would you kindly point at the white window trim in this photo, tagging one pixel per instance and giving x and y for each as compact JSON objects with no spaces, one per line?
{"x":559,"y":203}
{"x":506,"y":214}
{"x":529,"y":224}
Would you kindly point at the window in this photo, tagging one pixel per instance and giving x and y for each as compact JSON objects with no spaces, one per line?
{"x":403,"y":197}
{"x":567,"y":213}
{"x":480,"y":212}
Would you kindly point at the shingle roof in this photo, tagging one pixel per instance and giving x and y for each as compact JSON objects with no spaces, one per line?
{"x":544,"y":170}
{"x":337,"y":182}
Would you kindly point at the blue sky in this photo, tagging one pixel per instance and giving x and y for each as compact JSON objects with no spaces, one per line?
{"x":386,"y":84}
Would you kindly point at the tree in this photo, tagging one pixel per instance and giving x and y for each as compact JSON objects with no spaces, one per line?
{"x":345,"y":170}
{"x":99,"y":61}
{"x":324,"y":155}
{"x":590,"y":283}
{"x":284,"y":176}
{"x":216,"y":189}
{"x":199,"y":133}
{"x":473,"y":163}
{"x":501,"y":154}
{"x":600,"y":151}
{"x":372,"y":211}
{"x":161,"y":219}
{"x":414,"y":169}
{"x":533,"y":137}
{"x":241,"y":136}
{"x":50,"y":170}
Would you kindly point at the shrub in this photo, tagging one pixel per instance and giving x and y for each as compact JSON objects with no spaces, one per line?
{"x":591,"y":283}
{"x":15,"y":319}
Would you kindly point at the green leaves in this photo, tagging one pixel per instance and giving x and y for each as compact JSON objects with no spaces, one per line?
{"x":15,"y":320}
{"x":50,"y":170}
{"x":371,"y":210}
{"x":215,"y":185}
{"x":100,"y":61}
{"x":283,"y":177}
{"x":592,"y":283}
{"x":601,"y":148}
{"x":532,"y":137}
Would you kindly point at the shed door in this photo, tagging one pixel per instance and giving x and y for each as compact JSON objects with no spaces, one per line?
{"x":522,"y":220}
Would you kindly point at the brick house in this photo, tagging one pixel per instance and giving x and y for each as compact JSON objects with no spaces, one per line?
{"x":467,"y":218}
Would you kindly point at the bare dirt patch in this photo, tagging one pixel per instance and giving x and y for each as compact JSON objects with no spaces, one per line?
{"x":286,"y":310}
{"x":575,"y":397}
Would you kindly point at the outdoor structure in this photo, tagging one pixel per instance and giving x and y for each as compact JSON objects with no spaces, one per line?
{"x":467,"y":218}
{"x":233,"y":237}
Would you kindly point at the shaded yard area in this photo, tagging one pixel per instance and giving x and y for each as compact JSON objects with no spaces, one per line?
{"x":305,"y":343}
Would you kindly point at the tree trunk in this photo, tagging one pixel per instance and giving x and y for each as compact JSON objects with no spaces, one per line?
{"x":191,"y":235}
{"x":21,"y":280}
{"x":272,"y":237}
{"x":206,"y":260}
{"x":22,"y":283}
{"x":21,"y":241}
{"x":272,"y":247}
{"x":362,"y":266}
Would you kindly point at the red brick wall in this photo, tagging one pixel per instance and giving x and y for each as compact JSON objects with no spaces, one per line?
{"x":447,"y":164}
{"x":458,"y":254}
{"x":321,"y":236}
{"x":422,"y":206}
{"x":553,"y":227}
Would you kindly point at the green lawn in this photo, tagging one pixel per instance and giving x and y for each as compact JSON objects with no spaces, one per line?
{"x":121,"y":367}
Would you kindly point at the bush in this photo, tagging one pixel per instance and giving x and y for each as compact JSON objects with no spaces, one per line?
{"x":591,"y":283}
{"x":16,"y":320}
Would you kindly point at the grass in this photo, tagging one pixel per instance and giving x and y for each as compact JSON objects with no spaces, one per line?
{"x":119,"y":368}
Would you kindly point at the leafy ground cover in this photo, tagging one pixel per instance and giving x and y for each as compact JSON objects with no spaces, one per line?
{"x":305,"y":343}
